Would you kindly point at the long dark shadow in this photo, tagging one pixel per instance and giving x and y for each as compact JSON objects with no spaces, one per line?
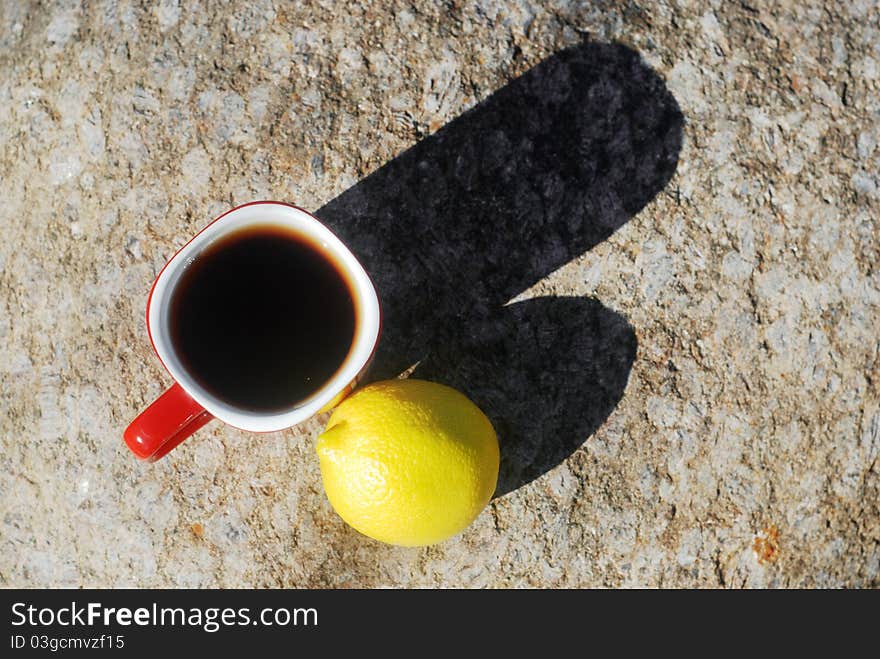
{"x":453,"y":228}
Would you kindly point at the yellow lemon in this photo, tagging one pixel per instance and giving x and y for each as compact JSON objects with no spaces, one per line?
{"x":408,"y":462}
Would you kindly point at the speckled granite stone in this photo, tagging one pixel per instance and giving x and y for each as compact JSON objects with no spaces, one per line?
{"x":644,"y":236}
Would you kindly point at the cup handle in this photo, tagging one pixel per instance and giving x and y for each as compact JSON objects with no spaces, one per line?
{"x":170,"y":419}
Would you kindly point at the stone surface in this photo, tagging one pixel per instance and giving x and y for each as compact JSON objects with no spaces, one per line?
{"x":649,"y":251}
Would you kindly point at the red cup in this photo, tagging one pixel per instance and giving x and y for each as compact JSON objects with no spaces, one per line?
{"x":187,"y":406}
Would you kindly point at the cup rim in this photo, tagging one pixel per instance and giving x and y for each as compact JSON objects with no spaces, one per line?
{"x":287,"y":215}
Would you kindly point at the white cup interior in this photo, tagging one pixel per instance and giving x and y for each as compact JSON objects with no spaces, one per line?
{"x":299,"y":221}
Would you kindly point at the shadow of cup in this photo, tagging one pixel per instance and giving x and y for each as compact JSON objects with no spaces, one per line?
{"x":458,"y":225}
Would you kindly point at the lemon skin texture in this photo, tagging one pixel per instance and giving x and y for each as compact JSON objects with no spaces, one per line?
{"x":408,"y":462}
